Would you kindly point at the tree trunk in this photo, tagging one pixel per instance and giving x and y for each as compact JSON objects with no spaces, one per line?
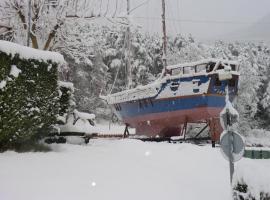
{"x":34,"y":41}
{"x":52,"y":35}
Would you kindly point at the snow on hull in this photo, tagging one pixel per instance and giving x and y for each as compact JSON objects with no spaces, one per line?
{"x":193,"y":72}
{"x":30,"y":53}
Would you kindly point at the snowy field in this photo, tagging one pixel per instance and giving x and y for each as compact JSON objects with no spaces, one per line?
{"x":124,"y":170}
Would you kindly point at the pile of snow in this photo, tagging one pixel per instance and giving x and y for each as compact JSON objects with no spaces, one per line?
{"x":30,"y":53}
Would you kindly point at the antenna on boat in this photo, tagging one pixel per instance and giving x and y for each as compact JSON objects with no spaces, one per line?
{"x":129,"y":75}
{"x":164,"y":37}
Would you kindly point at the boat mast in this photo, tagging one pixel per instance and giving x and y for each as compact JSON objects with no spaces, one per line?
{"x":129,"y":75}
{"x":164,"y":37}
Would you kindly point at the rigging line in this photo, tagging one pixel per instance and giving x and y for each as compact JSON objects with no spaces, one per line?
{"x":125,"y":39}
{"x":250,"y":75}
{"x":116,"y":8}
{"x":148,"y":22}
{"x":140,"y":5}
{"x":179,"y":15}
{"x":201,"y":21}
{"x":173,"y":24}
{"x":121,"y":6}
{"x":100,"y":6}
{"x":107,"y":8}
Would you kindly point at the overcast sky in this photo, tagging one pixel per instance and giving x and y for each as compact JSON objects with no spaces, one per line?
{"x":203,"y":18}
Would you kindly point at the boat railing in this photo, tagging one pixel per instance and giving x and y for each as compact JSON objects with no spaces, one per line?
{"x":203,"y":67}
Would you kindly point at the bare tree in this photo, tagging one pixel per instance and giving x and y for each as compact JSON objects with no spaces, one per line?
{"x":47,"y":18}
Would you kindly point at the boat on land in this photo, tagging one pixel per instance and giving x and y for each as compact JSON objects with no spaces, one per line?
{"x":184,"y":93}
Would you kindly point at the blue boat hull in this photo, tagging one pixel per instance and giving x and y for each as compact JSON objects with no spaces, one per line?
{"x":165,"y":116}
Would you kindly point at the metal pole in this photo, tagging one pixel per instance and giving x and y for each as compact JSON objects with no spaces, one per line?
{"x":231,"y":164}
{"x":164,"y":58}
{"x":29,"y":23}
{"x":231,"y":157}
{"x":129,"y":75}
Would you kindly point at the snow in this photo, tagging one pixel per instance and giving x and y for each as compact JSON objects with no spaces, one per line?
{"x":204,"y":61}
{"x":258,"y":137}
{"x":115,"y":63}
{"x":3,"y":84}
{"x":140,"y":92}
{"x":81,"y":126}
{"x":110,"y":52}
{"x":254,"y":173}
{"x":103,"y":128}
{"x":83,"y":115}
{"x":30,"y":53}
{"x":124,"y":169}
{"x":49,"y":68}
{"x":66,"y":85}
{"x":15,"y":71}
{"x":228,"y":106}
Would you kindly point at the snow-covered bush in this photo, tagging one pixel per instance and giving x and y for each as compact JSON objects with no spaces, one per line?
{"x":258,"y":137}
{"x":30,"y":100}
{"x":251,"y":179}
{"x":66,"y":100}
{"x":243,"y":191}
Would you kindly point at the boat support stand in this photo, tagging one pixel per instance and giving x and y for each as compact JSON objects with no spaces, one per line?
{"x":126,"y":132}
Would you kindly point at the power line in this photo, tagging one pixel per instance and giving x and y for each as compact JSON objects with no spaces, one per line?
{"x":201,"y":21}
{"x":174,"y":23}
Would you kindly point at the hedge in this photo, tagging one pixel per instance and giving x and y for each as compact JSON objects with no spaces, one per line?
{"x":29,"y":100}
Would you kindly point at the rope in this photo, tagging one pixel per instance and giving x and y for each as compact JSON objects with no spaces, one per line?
{"x":119,"y":65}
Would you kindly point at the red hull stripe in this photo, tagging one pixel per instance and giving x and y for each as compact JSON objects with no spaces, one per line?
{"x":190,"y":115}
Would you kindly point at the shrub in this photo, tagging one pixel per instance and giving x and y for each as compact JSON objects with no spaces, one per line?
{"x":242,"y":192}
{"x":29,"y":99}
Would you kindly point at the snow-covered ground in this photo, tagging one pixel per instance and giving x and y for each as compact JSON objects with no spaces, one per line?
{"x":121,"y":170}
{"x":103,"y":127}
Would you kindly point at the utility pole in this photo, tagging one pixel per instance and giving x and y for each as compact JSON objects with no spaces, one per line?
{"x":29,"y":23}
{"x":164,"y":56}
{"x":129,"y":74}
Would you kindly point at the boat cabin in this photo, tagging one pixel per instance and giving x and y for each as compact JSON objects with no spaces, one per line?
{"x":204,"y":66}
